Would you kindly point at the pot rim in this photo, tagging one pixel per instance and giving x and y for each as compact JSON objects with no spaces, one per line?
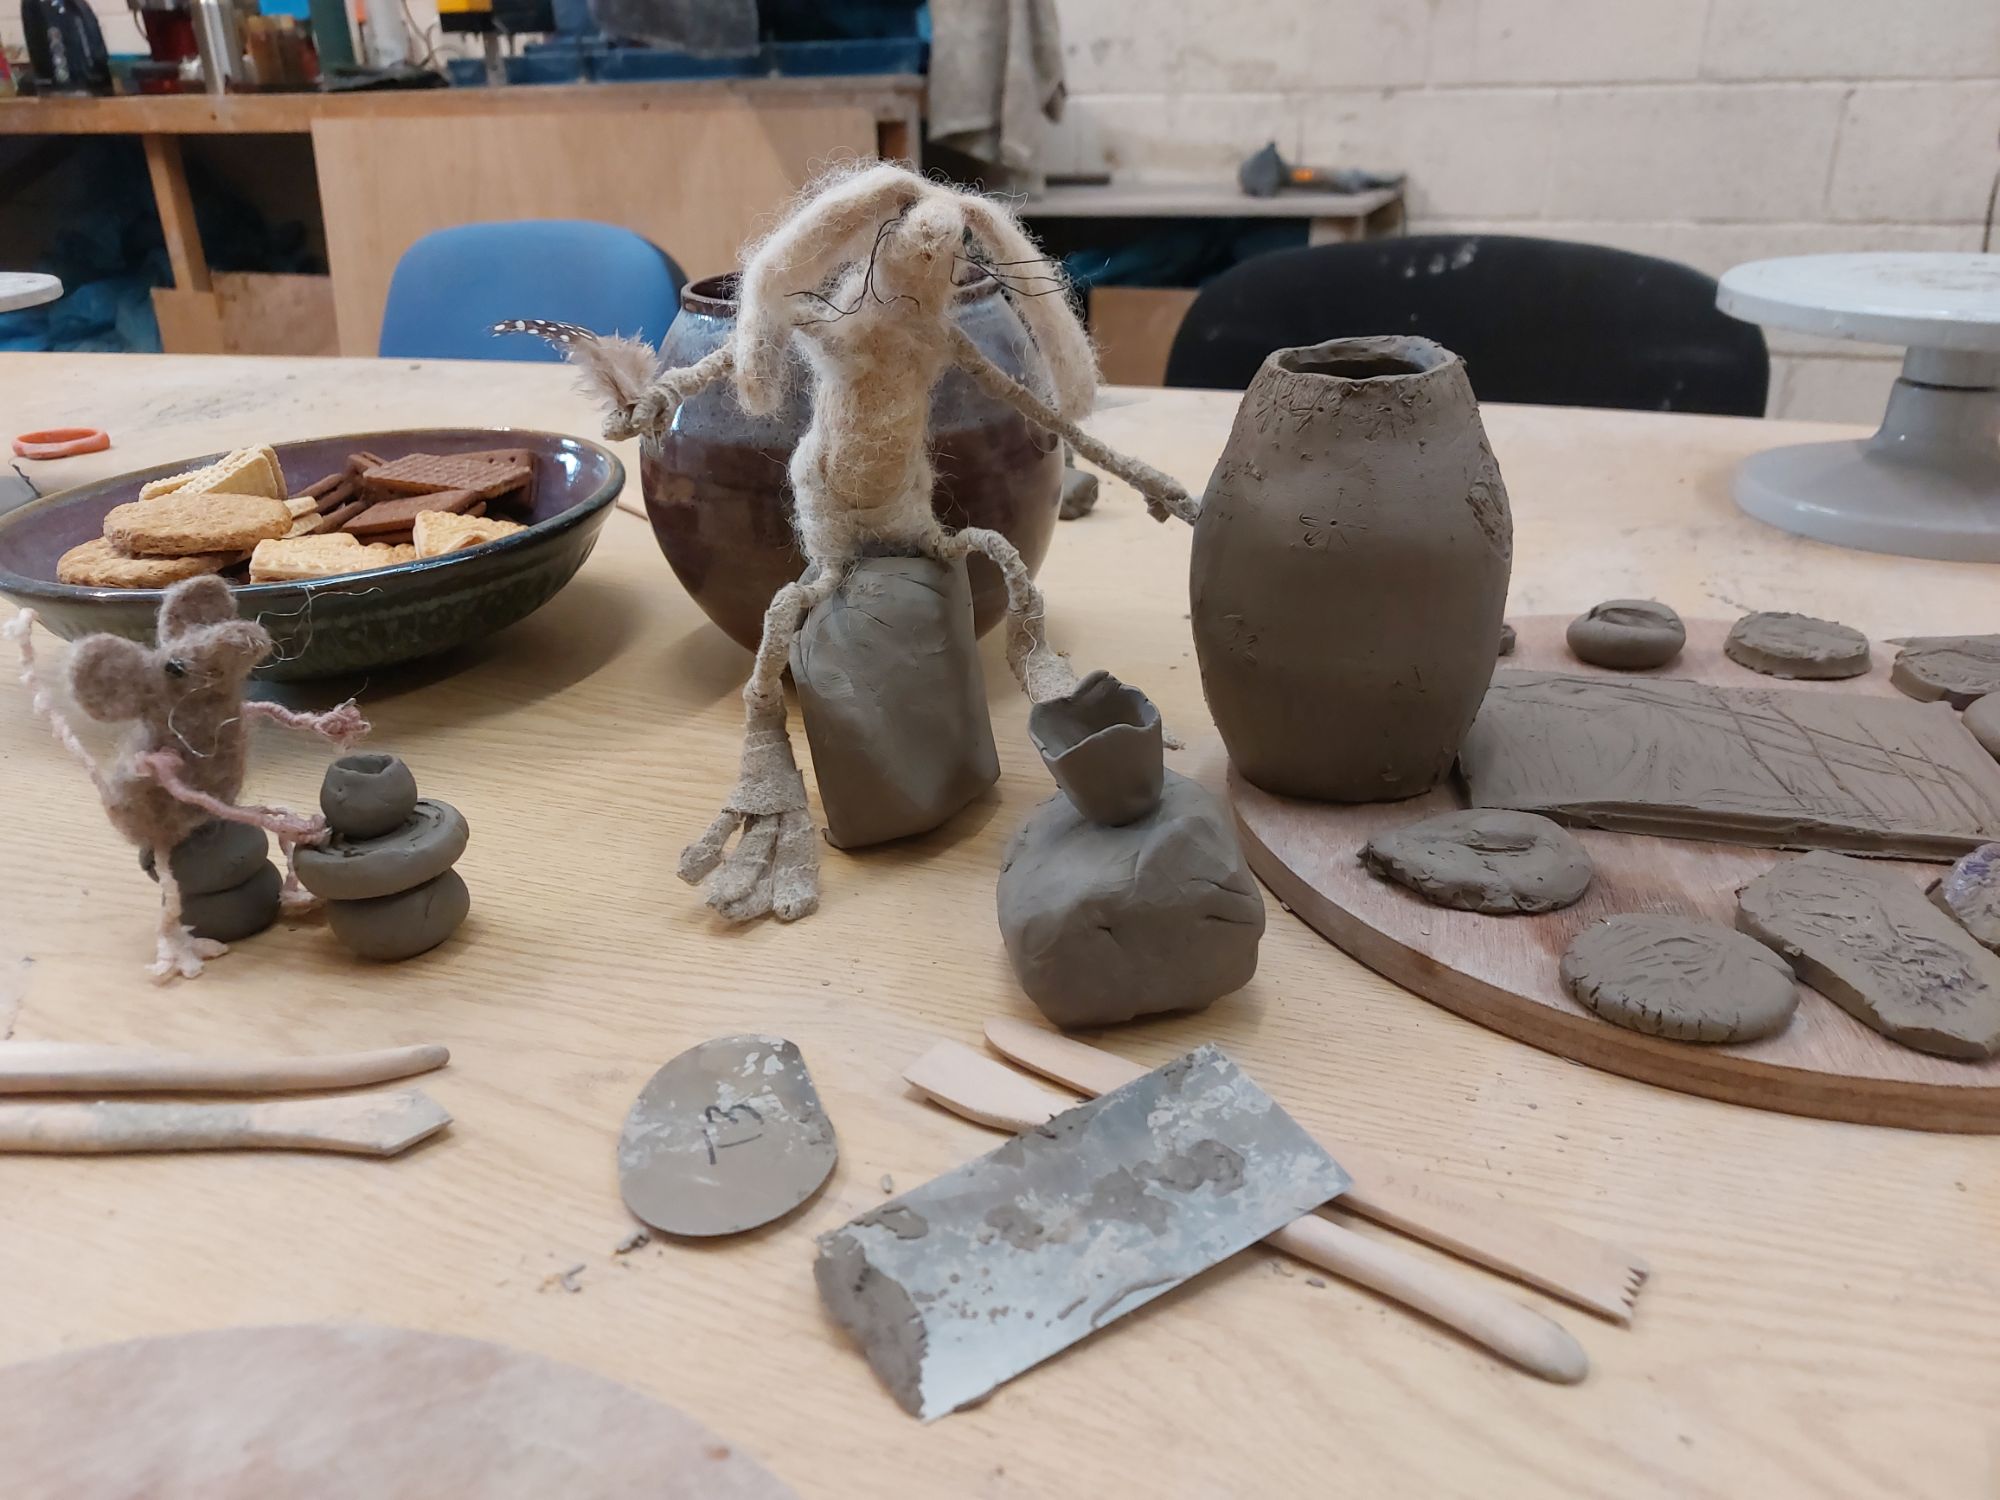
{"x":1421,"y":357}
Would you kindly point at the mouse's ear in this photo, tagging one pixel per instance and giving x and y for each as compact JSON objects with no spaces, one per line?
{"x":110,"y":677}
{"x":195,"y":602}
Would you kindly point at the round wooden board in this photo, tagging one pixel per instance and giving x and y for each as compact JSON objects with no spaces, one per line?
{"x":325,"y":1412}
{"x":1501,"y":971}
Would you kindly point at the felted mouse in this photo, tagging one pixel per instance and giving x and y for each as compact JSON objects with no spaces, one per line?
{"x":182,"y":762}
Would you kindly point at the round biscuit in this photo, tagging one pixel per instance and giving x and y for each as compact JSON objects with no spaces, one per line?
{"x":181,"y":525}
{"x":98,"y":564}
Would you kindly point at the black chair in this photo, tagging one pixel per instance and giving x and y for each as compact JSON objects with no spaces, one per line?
{"x":1535,"y":320}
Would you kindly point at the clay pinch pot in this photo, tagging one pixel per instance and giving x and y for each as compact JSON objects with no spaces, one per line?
{"x":1104,"y":746}
{"x":720,"y":501}
{"x":365,"y":796}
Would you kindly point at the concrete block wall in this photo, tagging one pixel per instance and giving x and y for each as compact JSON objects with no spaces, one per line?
{"x":1708,"y":131}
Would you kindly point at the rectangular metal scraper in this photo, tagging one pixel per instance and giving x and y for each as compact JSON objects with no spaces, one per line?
{"x":958,"y":1286}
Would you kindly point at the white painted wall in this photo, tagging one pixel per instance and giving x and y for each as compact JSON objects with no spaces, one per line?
{"x":1709,"y":131}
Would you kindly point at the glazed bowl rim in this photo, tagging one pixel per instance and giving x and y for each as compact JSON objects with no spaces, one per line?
{"x":19,"y":585}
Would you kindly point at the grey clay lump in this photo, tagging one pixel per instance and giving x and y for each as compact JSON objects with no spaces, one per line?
{"x":1627,"y":635}
{"x":1349,"y":571}
{"x":392,"y":894}
{"x":1969,"y":892}
{"x":1796,"y":646}
{"x":365,"y":796}
{"x":229,"y":888}
{"x":893,"y":700}
{"x":1107,"y":921}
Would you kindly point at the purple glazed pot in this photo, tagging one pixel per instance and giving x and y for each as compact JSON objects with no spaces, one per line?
{"x":361,"y":621}
{"x":721,"y":503}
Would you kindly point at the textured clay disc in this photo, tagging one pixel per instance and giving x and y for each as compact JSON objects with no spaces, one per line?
{"x":1982,"y":719}
{"x":1798,"y":646}
{"x":348,"y":1413}
{"x":1627,"y":635}
{"x":1500,"y":863}
{"x":1961,"y":669}
{"x":725,"y":1137}
{"x":1677,"y":977}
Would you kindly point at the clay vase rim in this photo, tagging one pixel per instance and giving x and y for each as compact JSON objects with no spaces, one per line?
{"x":1113,"y":771}
{"x":1375,"y":359}
{"x":715,"y":296}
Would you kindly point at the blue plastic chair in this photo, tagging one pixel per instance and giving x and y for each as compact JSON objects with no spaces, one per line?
{"x":453,"y":285}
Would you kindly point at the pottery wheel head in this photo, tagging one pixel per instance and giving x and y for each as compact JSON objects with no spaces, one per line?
{"x":727,"y":1136}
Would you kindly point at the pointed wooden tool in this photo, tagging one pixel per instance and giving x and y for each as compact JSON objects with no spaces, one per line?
{"x":1599,"y":1277}
{"x":85,"y":1068}
{"x":363,"y":1124}
{"x":974,"y":1085}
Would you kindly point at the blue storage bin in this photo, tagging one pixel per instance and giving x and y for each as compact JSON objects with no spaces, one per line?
{"x":875,"y":54}
{"x":652,"y":65}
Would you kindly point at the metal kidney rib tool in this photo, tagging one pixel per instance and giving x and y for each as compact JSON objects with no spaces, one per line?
{"x":963,"y":1283}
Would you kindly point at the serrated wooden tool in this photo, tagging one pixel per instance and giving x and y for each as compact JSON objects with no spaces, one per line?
{"x":1588,"y":1272}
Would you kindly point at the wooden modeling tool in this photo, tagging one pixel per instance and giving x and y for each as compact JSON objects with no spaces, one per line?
{"x":1594,"y":1275}
{"x":85,"y":1068}
{"x":363,"y":1125}
{"x":974,"y":1085}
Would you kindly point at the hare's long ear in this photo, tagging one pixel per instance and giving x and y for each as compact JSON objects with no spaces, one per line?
{"x":835,"y":221}
{"x":1050,"y":318}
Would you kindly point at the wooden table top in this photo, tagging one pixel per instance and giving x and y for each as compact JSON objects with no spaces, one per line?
{"x":1824,"y":1318}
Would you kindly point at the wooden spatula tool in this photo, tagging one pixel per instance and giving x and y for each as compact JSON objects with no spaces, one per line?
{"x":1599,"y":1277}
{"x":86,"y":1068}
{"x":361,"y":1124}
{"x":974,"y":1085}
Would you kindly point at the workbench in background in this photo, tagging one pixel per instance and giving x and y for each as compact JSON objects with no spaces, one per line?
{"x":697,"y":167}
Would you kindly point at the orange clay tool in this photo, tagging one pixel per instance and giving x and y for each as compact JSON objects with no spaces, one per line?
{"x":61,"y":442}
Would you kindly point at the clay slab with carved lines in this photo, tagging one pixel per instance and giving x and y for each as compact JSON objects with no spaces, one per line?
{"x":1502,"y":971}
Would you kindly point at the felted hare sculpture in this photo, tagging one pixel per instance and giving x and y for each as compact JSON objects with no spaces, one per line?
{"x":859,"y":280}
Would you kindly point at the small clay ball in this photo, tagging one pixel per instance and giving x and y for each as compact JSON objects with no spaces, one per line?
{"x":1969,"y":892}
{"x":1796,"y":646}
{"x":1677,"y":977}
{"x":218,"y":856}
{"x":1500,"y":863}
{"x":390,"y":928}
{"x":1079,"y":494}
{"x":1960,"y":669}
{"x":1627,"y":635}
{"x":1506,"y":639}
{"x":1982,"y":720}
{"x":366,"y":796}
{"x":237,"y":913}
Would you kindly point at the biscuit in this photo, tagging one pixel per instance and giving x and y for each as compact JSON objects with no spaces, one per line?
{"x":246,"y":471}
{"x":98,"y":564}
{"x":401,"y":513}
{"x":181,"y":525}
{"x":431,"y":473}
{"x":437,"y":532}
{"x":293,"y":559}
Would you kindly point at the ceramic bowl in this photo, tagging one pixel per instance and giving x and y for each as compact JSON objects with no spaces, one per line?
{"x":357,"y":623}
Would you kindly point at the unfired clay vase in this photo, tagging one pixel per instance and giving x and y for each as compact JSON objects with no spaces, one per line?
{"x":1107,"y":921}
{"x":893,"y":700}
{"x":720,"y":501}
{"x":1350,"y":568}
